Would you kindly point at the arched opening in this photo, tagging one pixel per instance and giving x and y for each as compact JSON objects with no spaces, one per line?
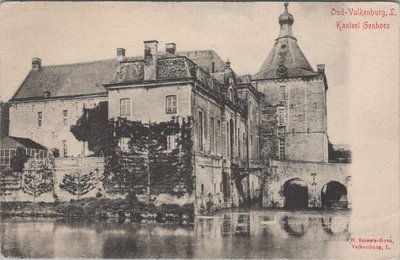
{"x":296,"y":194}
{"x":334,"y":195}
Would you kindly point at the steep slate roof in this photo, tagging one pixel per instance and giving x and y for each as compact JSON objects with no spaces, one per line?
{"x":205,"y":59}
{"x":285,"y":52}
{"x":88,"y":78}
{"x":67,"y":80}
{"x":12,"y":142}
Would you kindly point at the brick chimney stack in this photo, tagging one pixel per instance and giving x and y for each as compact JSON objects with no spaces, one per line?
{"x":36,"y":63}
{"x":170,"y":47}
{"x":150,"y":60}
{"x":120,"y":54}
{"x":321,"y":68}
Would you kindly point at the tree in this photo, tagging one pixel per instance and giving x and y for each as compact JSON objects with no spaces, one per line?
{"x":79,"y":184}
{"x":18,"y":161}
{"x":94,"y":128}
{"x":37,"y":179}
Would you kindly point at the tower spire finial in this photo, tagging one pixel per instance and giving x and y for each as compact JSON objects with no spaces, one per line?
{"x":286,"y":7}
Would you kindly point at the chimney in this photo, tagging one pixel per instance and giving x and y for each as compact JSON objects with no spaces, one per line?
{"x":120,"y":54}
{"x":150,"y":60}
{"x":321,"y":68}
{"x":227,"y":64}
{"x":170,"y":47}
{"x":36,"y":63}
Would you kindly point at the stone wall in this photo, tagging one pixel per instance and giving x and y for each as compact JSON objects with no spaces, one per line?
{"x":148,"y":103}
{"x":63,"y":166}
{"x":314,"y":174}
{"x":24,"y":121}
{"x":303,"y":124}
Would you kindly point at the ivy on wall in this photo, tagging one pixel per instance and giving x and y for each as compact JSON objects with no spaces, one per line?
{"x":146,"y":166}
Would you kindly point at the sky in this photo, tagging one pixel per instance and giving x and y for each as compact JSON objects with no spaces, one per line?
{"x":244,"y":33}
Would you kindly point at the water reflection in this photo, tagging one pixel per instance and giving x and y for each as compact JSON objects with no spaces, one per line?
{"x":254,"y":234}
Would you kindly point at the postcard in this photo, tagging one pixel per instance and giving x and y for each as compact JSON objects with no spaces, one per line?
{"x":199,"y":130}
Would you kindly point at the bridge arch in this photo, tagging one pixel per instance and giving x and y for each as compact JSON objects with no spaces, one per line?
{"x":334,"y":195}
{"x":295,"y":192}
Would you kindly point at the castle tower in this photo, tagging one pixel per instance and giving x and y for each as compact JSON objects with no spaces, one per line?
{"x":293,"y":110}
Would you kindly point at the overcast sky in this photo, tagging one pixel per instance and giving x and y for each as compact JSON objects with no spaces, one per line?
{"x":244,"y":33}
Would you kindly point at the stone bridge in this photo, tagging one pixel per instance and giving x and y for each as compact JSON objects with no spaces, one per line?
{"x":300,"y":184}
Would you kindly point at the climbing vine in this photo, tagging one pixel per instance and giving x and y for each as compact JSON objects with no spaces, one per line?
{"x":148,"y":164}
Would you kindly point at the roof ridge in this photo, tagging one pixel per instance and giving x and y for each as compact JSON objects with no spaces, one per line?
{"x":86,"y":62}
{"x":77,"y":63}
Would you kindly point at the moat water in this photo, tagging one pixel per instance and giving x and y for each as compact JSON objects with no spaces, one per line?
{"x":230,"y":234}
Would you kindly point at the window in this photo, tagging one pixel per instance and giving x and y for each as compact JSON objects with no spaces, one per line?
{"x":281,"y":149}
{"x":64,"y":148}
{"x":123,"y":143}
{"x":231,"y":94}
{"x":202,"y":189}
{"x":281,"y":116}
{"x":217,"y":136}
{"x":238,"y":142}
{"x":32,"y":154}
{"x":76,"y":105}
{"x":251,"y":146}
{"x":227,"y":139}
{"x":244,"y":143}
{"x":215,"y":188}
{"x":200,"y":131}
{"x":212,"y":134}
{"x":39,"y":119}
{"x":258,"y":147}
{"x":282,"y":93}
{"x":220,"y":187}
{"x":171,"y":142}
{"x":291,"y":106}
{"x":125,"y":107}
{"x":170,"y":104}
{"x":32,"y":136}
{"x":315,"y":105}
{"x":65,"y":117}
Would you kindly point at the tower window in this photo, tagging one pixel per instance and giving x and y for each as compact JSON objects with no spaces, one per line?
{"x":282,"y":149}
{"x":315,"y":105}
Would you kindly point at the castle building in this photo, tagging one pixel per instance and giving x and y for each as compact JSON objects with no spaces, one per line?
{"x":270,"y":128}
